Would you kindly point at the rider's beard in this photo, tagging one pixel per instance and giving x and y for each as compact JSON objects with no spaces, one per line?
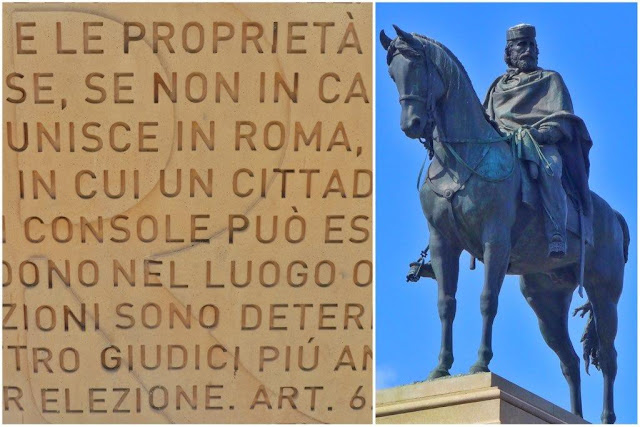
{"x":523,"y":62}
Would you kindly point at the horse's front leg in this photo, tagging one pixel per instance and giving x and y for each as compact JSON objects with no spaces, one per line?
{"x":445,"y":259}
{"x":497,"y":249}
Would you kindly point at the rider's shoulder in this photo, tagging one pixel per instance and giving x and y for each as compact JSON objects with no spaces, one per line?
{"x":496,"y":80}
{"x":551,"y":74}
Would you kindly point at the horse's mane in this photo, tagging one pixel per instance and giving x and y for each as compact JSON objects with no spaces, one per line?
{"x":408,"y":50}
{"x":454,"y":58}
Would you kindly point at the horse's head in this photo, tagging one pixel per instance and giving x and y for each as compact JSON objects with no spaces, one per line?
{"x":418,"y":82}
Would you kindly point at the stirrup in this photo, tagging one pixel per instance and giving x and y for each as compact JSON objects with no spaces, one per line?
{"x":418,"y":270}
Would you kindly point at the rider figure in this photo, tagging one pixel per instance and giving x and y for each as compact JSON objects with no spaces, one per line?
{"x":527,"y":97}
{"x":535,"y":105}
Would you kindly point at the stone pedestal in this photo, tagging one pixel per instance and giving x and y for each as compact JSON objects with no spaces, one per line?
{"x":469,"y":399}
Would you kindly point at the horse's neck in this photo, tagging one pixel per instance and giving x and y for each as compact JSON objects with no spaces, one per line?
{"x":461,"y":114}
{"x":461,"y":118}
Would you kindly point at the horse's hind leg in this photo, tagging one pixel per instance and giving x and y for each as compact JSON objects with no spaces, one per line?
{"x":445,"y":259}
{"x":550,"y":301}
{"x":607,"y":326}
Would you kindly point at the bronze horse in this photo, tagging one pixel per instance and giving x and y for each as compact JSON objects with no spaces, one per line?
{"x":485,"y":217}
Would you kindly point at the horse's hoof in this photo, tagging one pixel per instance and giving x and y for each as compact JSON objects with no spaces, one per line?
{"x":608,"y":417}
{"x":438,"y":373}
{"x":476,"y":369}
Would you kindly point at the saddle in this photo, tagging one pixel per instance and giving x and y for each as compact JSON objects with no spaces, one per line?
{"x":446,"y":182}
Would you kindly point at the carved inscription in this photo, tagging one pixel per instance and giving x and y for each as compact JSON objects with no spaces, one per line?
{"x":187,"y":213}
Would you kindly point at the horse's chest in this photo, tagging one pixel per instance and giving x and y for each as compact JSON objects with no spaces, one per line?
{"x":452,"y":216}
{"x":461,"y":218}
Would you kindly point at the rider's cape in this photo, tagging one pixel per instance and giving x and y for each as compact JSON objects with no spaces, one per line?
{"x":541,"y":99}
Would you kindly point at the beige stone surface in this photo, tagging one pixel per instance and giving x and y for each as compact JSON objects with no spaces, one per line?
{"x":293,"y":344}
{"x":469,"y":399}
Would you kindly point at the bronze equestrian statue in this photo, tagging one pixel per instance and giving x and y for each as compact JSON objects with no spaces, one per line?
{"x":505,"y":184}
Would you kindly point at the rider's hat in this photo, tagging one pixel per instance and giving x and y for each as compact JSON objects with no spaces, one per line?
{"x":521,"y":31}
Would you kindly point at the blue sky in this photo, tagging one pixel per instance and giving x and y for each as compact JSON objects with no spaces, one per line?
{"x":593,"y":47}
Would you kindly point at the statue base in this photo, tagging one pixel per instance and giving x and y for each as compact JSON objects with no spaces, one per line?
{"x":482,"y":398}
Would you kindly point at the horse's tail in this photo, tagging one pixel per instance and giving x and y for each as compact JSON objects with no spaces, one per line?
{"x":625,"y":234}
{"x":589,"y":338}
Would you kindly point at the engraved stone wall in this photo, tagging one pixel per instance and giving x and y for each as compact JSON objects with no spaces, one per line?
{"x":187,"y":216}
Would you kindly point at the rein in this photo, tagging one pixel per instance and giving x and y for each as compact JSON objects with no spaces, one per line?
{"x":429,"y":148}
{"x":474,"y":170}
{"x":447,"y":144}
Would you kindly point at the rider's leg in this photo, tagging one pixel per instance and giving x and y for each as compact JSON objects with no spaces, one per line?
{"x":554,"y":201}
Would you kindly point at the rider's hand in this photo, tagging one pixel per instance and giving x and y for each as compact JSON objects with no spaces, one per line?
{"x":546,"y":134}
{"x":538,"y":136}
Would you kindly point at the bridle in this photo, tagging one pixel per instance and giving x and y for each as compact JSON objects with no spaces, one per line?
{"x":413,"y":98}
{"x":430,"y":116}
{"x":430,"y":119}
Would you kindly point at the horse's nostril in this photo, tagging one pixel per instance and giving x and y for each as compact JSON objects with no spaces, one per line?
{"x":412,"y":126}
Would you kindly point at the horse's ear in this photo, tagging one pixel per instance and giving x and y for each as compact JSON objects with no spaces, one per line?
{"x":403,"y":34}
{"x":385,"y":40}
